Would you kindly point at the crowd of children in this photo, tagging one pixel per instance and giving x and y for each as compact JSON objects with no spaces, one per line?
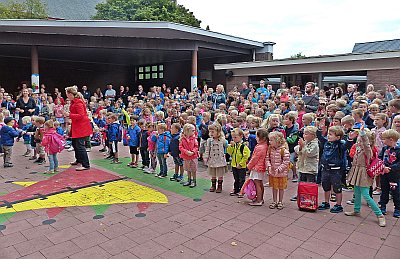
{"x":266,"y":139}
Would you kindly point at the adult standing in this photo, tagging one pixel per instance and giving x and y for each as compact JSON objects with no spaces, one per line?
{"x":25,"y":105}
{"x":140,"y":93}
{"x":86,"y":93}
{"x":245,"y":90}
{"x":98,"y":94}
{"x":311,"y":100}
{"x":218,"y":97}
{"x":110,"y":93}
{"x":80,"y":127}
{"x":281,"y":89}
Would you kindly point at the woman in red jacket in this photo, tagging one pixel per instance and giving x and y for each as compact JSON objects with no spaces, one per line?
{"x":80,"y":127}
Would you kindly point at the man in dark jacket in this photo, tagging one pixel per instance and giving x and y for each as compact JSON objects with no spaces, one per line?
{"x":311,"y":100}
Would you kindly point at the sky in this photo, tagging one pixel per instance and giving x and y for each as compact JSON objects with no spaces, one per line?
{"x":313,"y":27}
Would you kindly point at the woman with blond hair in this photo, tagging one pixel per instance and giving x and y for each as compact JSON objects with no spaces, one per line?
{"x":80,"y":127}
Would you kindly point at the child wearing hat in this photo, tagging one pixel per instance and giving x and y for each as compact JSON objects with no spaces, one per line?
{"x":7,"y":134}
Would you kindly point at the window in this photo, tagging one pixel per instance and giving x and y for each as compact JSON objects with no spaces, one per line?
{"x":151,"y":72}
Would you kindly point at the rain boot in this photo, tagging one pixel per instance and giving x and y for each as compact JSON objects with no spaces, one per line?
{"x":213,"y":185}
{"x":219,"y":188}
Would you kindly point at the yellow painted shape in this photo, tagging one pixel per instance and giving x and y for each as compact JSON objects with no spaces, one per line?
{"x":64,"y":166}
{"x":111,"y":193}
{"x":25,"y":184}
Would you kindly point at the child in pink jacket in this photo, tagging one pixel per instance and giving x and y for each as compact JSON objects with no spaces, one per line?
{"x":257,"y":165}
{"x":277,"y":162}
{"x":189,"y":148}
{"x":151,"y":148}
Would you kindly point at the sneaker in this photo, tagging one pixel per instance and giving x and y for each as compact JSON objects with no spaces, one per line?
{"x":279,"y":206}
{"x":179,"y":178}
{"x":188,"y":183}
{"x":173,"y":178}
{"x":134,"y":165}
{"x":103,"y":150}
{"x":377,"y":191}
{"x":324,"y":206}
{"x":382,"y":221}
{"x":56,"y":169}
{"x":8,"y":165}
{"x":350,"y":202}
{"x":157,"y":175}
{"x":240,"y":195}
{"x":152,"y":171}
{"x":145,"y":168}
{"x":192,"y":184}
{"x":295,"y":179}
{"x":115,"y":161}
{"x":347,"y":188}
{"x":109,"y":157}
{"x":88,"y":149}
{"x":233,"y":193}
{"x":333,"y":197}
{"x":129,"y":164}
{"x":352,"y":213}
{"x":336,"y":209}
{"x":383,"y":209}
{"x":70,"y":149}
{"x":396,"y":213}
{"x":49,"y":172}
{"x":33,"y":158}
{"x":41,"y":162}
{"x":294,"y":198}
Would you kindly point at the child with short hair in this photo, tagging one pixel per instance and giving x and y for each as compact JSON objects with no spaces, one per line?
{"x":26,"y":125}
{"x":333,"y":162}
{"x":240,"y":153}
{"x":394,"y":109}
{"x":189,"y":147}
{"x":144,"y":145}
{"x":7,"y":135}
{"x":162,"y":140}
{"x":390,"y":155}
{"x":114,"y":136}
{"x":133,"y":135}
{"x":214,"y":156}
{"x":358,"y":118}
{"x":292,"y":138}
{"x":38,"y":136}
{"x":257,"y":165}
{"x":175,"y":152}
{"x":277,"y":163}
{"x":53,"y":144}
{"x":203,"y":128}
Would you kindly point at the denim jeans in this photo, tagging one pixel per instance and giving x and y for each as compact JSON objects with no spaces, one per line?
{"x":53,"y":161}
{"x":163,"y":164}
{"x":364,"y":192}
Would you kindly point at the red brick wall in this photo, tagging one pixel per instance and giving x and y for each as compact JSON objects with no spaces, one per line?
{"x":380,"y":78}
{"x":235,"y":81}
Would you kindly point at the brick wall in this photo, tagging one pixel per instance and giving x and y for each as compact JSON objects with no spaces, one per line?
{"x":380,"y":78}
{"x":235,"y":81}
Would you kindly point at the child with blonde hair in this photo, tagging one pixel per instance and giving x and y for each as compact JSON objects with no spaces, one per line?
{"x":274,"y":123}
{"x":53,"y":144}
{"x":214,"y":156}
{"x":277,"y":162}
{"x":381,"y":121}
{"x":257,"y":165}
{"x":189,"y":148}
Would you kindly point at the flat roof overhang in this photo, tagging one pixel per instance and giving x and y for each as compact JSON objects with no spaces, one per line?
{"x":334,"y":63}
{"x":117,"y":42}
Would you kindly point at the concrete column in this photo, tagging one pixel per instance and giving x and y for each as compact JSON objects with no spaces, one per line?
{"x":194,"y":71}
{"x":35,"y":69}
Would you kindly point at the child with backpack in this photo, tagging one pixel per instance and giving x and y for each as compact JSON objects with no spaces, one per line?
{"x":214,"y":156}
{"x":189,"y":148}
{"x":53,"y":144}
{"x":114,"y":136}
{"x":175,"y":152}
{"x":240,"y":153}
{"x":133,"y":133}
{"x":277,"y":162}
{"x":358,"y":176}
{"x":257,"y":165}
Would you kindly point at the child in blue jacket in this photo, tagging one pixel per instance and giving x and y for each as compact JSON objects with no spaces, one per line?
{"x":163,"y":140}
{"x":7,"y":134}
{"x":133,"y":134}
{"x":27,"y":124}
{"x":114,"y":136}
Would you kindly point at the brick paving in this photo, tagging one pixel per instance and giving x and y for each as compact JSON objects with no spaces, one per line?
{"x":218,"y":226}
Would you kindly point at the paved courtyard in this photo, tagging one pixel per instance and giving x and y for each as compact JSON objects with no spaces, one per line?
{"x":118,"y":212}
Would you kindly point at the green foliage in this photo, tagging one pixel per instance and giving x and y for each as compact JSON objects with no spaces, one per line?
{"x":27,"y":9}
{"x":298,"y":56}
{"x":145,"y":10}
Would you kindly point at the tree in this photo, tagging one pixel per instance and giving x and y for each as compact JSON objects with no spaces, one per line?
{"x":145,"y":10}
{"x":298,"y":56}
{"x":27,"y":9}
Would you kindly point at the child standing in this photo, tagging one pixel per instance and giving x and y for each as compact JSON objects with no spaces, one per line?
{"x":27,"y":124}
{"x":277,"y":162}
{"x":333,"y":165}
{"x":175,"y":152}
{"x":214,"y":156}
{"x":162,"y":140}
{"x":133,"y":141}
{"x":240,"y":153}
{"x":358,"y":177}
{"x":189,"y":148}
{"x":39,"y":121}
{"x":53,"y":143}
{"x":308,"y":154}
{"x":390,"y":180}
{"x":257,"y":165}
{"x":292,"y":138}
{"x":144,"y":145}
{"x":151,"y":148}
{"x":114,"y":136}
{"x":7,"y":135}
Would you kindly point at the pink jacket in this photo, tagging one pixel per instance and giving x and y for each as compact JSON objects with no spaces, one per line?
{"x":50,"y":142}
{"x":257,"y":161}
{"x":188,"y":144}
{"x":152,"y":145}
{"x":278,"y":160}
